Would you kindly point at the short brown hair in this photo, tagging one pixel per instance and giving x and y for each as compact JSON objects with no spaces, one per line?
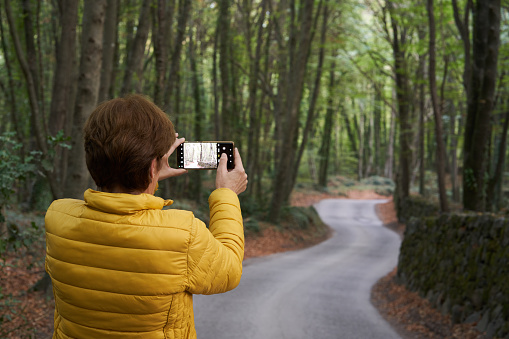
{"x":122,"y":137}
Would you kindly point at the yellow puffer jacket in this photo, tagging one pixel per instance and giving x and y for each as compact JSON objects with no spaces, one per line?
{"x":122,"y":267}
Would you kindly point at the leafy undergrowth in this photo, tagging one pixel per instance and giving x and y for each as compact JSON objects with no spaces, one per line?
{"x":274,"y":239}
{"x":411,"y":315}
{"x":23,"y":313}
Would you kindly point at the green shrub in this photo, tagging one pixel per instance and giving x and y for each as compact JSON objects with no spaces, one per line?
{"x":302,"y":217}
{"x":251,"y":225}
{"x":378,"y":181}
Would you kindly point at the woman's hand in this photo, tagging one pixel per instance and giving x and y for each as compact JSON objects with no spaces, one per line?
{"x":167,"y":171}
{"x":235,"y":179}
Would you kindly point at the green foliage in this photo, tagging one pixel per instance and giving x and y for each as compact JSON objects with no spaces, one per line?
{"x":378,"y":181}
{"x":13,"y":167}
{"x":19,"y":238}
{"x":251,"y":225}
{"x":23,"y":237}
{"x":470,"y":178}
{"x":53,"y":142}
{"x":301,"y":217}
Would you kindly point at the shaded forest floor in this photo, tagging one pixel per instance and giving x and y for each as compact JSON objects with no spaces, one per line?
{"x":29,"y":314}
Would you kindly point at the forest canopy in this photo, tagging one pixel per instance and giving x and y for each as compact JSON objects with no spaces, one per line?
{"x":413,"y":90}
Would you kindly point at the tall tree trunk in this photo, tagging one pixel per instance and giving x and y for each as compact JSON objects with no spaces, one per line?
{"x":464,"y":29}
{"x":136,"y":52}
{"x":199,"y":117}
{"x":422,"y":104}
{"x":436,"y":110}
{"x":360,"y":136}
{"x":86,"y":98}
{"x":184,"y":7}
{"x":31,"y":53}
{"x":36,"y":118}
{"x":109,"y":47}
{"x":456,"y":121}
{"x":253,"y":140}
{"x":389,"y":159}
{"x":481,"y":96}
{"x":224,"y":70}
{"x":402,"y":95}
{"x":496,"y":178}
{"x":422,"y":162}
{"x":61,"y":98}
{"x":215,"y":90}
{"x":11,"y":97}
{"x":300,"y":43}
{"x":327,"y":132}
{"x":377,"y":126}
{"x":163,"y":22}
{"x":350,"y":132}
{"x":314,"y":96}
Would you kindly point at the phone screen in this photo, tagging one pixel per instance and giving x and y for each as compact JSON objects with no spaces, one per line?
{"x":203,"y":155}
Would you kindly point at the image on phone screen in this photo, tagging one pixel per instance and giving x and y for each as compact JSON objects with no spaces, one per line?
{"x":200,"y":155}
{"x":203,"y":155}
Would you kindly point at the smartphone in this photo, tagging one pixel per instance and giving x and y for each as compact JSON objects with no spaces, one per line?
{"x":204,"y":154}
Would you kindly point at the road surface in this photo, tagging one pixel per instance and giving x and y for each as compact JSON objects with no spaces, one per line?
{"x":321,"y":292}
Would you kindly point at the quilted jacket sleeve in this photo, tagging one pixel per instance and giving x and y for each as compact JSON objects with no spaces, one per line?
{"x":215,"y":254}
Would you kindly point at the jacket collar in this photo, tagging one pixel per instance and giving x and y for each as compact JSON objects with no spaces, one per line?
{"x":123,"y":203}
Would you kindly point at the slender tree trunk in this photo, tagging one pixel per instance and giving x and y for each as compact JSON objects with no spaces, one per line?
{"x":236,"y":127}
{"x":360,"y":136}
{"x":88,"y":89}
{"x":31,"y":53}
{"x":61,"y":98}
{"x":464,"y":30}
{"x":184,"y":7}
{"x":422,"y":162}
{"x":496,"y":178}
{"x":454,"y":156}
{"x":224,"y":70}
{"x":402,"y":95}
{"x":327,"y":132}
{"x":36,"y":119}
{"x":314,"y":96}
{"x":370,"y":136}
{"x":163,"y":21}
{"x":436,"y":110}
{"x":109,"y":47}
{"x":136,"y":52}
{"x":199,"y":116}
{"x":481,"y":96}
{"x":350,"y":132}
{"x":389,"y":160}
{"x":217,"y":118}
{"x":253,"y":141}
{"x":11,"y":96}
{"x":377,"y":125}
{"x":298,"y":56}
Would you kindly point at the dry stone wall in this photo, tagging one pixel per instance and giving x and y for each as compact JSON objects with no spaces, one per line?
{"x":461,"y":264}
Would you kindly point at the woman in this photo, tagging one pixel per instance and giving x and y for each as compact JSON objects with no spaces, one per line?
{"x":121,"y":266}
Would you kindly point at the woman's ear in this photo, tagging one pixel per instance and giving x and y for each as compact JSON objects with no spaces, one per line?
{"x":153,"y":169}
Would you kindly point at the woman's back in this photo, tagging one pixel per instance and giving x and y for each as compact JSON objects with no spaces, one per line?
{"x":121,"y":266}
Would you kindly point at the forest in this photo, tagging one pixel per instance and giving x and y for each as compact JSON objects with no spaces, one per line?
{"x":415,"y":91}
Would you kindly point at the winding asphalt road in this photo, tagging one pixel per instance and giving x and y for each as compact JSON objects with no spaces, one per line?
{"x":321,"y":292}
